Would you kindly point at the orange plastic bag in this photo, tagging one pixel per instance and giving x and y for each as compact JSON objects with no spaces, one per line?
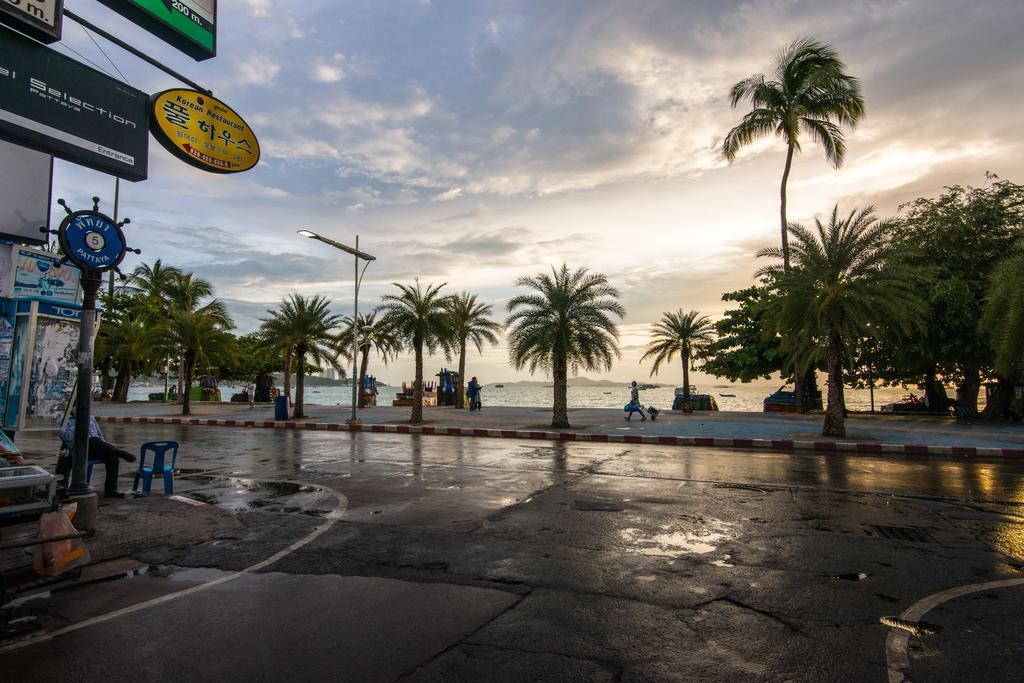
{"x":57,"y":557}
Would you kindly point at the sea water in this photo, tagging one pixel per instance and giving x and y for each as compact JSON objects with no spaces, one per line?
{"x":735,"y":397}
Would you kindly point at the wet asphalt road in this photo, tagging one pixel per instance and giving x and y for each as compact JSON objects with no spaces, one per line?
{"x":484,"y":559}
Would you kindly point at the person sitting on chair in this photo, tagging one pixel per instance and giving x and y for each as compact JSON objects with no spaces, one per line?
{"x":98,"y":450}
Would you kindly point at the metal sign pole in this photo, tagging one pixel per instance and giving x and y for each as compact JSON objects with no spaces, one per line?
{"x":91,"y":281}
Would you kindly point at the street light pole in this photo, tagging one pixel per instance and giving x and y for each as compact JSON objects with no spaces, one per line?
{"x":355,"y":338}
{"x":355,"y":312}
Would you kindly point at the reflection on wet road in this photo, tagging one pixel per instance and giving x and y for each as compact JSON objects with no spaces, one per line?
{"x":312,"y":455}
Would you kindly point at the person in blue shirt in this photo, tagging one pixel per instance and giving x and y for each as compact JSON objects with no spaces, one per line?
{"x":473,"y":391}
{"x":99,"y":449}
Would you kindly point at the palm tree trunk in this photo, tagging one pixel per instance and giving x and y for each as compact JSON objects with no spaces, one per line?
{"x":798,"y":383}
{"x":687,"y":406}
{"x":417,"y":384}
{"x":124,"y":379}
{"x":188,"y":363}
{"x":300,"y":382}
{"x":1000,"y":400}
{"x":835,"y":411}
{"x":560,"y":409}
{"x":181,"y":377}
{"x":782,"y":208}
{"x":461,"y":384}
{"x":362,"y":375}
{"x":288,"y":374}
{"x":967,"y":392}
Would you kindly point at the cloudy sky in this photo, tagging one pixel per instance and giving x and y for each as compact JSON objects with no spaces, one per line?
{"x":474,"y":142}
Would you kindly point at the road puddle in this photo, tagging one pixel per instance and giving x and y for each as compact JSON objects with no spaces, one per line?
{"x":247,"y":495}
{"x":668,"y":541}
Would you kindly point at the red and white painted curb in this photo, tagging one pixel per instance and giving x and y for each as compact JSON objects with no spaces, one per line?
{"x":756,"y":444}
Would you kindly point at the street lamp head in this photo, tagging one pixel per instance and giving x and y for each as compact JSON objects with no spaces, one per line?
{"x":308,"y":233}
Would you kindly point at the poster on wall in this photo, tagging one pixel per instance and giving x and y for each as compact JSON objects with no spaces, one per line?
{"x":6,"y":344}
{"x":42,"y":275}
{"x":53,"y":371}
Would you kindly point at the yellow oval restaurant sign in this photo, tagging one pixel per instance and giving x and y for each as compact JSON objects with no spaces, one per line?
{"x":203,"y":131}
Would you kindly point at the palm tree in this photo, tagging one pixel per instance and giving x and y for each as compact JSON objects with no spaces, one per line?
{"x":682,"y":333}
{"x":275,"y":335}
{"x":310,"y":329}
{"x":154,"y":282}
{"x":564,"y":324}
{"x":808,"y":92}
{"x":185,"y":292}
{"x":1003,"y":319}
{"x":845,"y":284}
{"x":131,"y":341}
{"x":198,"y":333}
{"x":418,"y":319}
{"x":373,"y":333}
{"x":469,"y":322}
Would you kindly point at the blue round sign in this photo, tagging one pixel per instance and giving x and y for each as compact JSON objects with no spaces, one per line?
{"x":91,"y":240}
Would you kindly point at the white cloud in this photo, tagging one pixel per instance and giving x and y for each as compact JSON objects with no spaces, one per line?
{"x":260,"y":9}
{"x":259,"y":70}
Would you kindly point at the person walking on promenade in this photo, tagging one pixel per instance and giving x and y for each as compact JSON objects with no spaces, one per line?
{"x":250,"y":392}
{"x":473,"y":391}
{"x":634,"y":404}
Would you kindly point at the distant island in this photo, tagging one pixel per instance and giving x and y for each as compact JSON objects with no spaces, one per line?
{"x":573,"y":382}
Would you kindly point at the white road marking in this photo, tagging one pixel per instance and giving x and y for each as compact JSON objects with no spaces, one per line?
{"x":897,"y":642}
{"x":332,"y":517}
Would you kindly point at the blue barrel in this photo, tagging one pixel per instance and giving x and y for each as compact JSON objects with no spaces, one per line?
{"x":281,"y":408}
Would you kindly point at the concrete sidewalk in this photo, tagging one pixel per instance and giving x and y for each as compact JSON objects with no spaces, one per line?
{"x":782,"y":431}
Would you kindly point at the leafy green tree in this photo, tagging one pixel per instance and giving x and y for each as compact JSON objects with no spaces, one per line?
{"x":953,"y":242}
{"x":1003,"y":322}
{"x":252,"y":359}
{"x":564,"y":324}
{"x":742,"y":351}
{"x":685,"y":334}
{"x":808,"y":92}
{"x":469,"y":321}
{"x":198,"y":332}
{"x":845,"y":277}
{"x":373,"y":334}
{"x":418,"y":319}
{"x":128,"y":340}
{"x":311,"y":329}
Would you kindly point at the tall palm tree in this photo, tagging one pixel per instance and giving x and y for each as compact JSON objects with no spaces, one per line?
{"x":469,"y":322}
{"x":417,"y":317}
{"x":276,"y":335}
{"x":310,"y":328}
{"x":566,"y":323}
{"x":185,"y":292}
{"x":807,"y":92}
{"x":1003,"y":319}
{"x":844,"y":285}
{"x":197,"y":332}
{"x":373,"y":334}
{"x":154,"y":282}
{"x":682,"y":333}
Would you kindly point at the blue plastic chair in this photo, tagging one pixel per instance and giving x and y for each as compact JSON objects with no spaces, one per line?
{"x":159,"y":466}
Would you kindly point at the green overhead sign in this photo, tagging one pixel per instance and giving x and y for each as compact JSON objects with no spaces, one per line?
{"x":189,"y":25}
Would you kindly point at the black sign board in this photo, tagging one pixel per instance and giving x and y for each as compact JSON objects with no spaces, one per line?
{"x":41,"y":19}
{"x":57,"y":105}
